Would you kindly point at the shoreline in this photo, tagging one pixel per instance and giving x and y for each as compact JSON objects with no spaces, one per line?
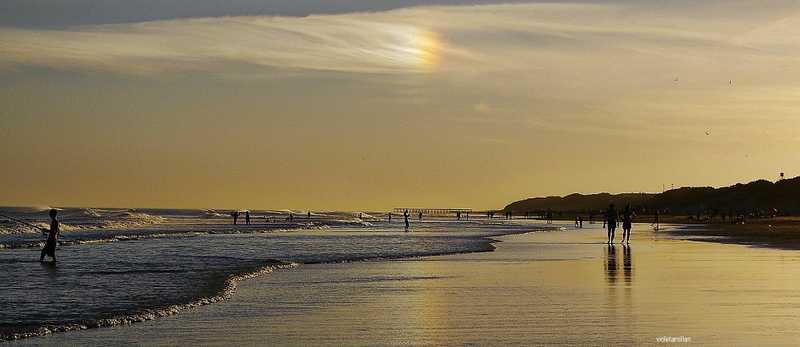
{"x":780,"y":232}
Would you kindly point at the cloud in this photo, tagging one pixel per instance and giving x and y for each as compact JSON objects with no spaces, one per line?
{"x":390,"y":42}
{"x":563,"y":42}
{"x":355,"y":43}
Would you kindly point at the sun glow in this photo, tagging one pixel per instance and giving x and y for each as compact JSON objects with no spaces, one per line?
{"x":429,"y":49}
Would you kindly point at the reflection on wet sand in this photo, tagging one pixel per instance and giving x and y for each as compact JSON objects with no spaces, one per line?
{"x":612,"y":265}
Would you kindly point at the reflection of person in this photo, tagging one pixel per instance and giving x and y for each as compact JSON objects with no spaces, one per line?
{"x":611,"y":264}
{"x":52,"y":237}
{"x":610,"y":220}
{"x":627,"y":263}
{"x":627,"y":217}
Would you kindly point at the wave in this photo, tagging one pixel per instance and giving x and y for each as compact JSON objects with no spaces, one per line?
{"x":24,"y":209}
{"x":351,"y":223}
{"x":73,"y":219}
{"x":225,"y":291}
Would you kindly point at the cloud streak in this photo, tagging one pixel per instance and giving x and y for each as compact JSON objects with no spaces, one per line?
{"x":338,"y":43}
{"x":395,"y":41}
{"x":516,"y":36}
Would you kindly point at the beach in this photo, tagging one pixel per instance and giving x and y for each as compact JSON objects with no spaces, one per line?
{"x":564,"y":287}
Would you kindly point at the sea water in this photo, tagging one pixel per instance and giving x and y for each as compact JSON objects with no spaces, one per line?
{"x":556,"y":288}
{"x":117,"y":266}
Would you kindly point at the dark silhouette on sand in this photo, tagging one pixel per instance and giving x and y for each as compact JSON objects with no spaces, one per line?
{"x":627,"y":218}
{"x":610,"y":221}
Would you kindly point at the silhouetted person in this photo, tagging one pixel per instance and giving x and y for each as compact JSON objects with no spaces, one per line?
{"x":627,"y":218}
{"x":406,"y":214}
{"x":235,"y":215}
{"x":420,"y":216}
{"x":247,"y":217}
{"x":52,"y":237}
{"x":655,"y":219}
{"x":610,"y":220}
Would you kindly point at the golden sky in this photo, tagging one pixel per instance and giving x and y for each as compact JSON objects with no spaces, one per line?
{"x":463,"y":106}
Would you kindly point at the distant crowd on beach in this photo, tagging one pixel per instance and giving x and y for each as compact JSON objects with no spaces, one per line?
{"x":235,"y":215}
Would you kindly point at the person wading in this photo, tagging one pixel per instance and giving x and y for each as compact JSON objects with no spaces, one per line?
{"x":52,"y":237}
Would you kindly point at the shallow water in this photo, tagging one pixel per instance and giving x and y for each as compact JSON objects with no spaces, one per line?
{"x":555,"y":288}
{"x":106,"y":277}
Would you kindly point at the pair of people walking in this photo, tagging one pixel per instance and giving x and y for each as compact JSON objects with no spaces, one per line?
{"x":612,"y":217}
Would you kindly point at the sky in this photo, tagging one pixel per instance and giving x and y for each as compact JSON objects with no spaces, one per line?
{"x":374,"y":105}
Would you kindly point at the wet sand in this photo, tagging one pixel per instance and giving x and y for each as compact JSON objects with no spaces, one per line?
{"x":555,"y":288}
{"x":778,"y":232}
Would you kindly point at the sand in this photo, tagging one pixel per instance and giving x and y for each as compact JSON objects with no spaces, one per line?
{"x":555,"y":288}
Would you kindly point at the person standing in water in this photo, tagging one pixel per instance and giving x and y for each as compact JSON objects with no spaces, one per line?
{"x":406,"y":215}
{"x":655,"y":219}
{"x":52,"y":237}
{"x":627,"y":218}
{"x":610,"y":220}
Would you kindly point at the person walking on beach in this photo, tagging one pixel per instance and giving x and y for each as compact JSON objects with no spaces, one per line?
{"x":52,"y":237}
{"x":610,"y":220}
{"x":406,"y":214}
{"x":247,"y":217}
{"x":627,"y":218}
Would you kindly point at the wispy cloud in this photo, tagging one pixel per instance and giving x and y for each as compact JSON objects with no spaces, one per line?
{"x":408,"y":40}
{"x":355,"y":43}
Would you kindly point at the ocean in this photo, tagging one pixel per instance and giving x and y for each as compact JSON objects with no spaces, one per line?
{"x":117,"y":266}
